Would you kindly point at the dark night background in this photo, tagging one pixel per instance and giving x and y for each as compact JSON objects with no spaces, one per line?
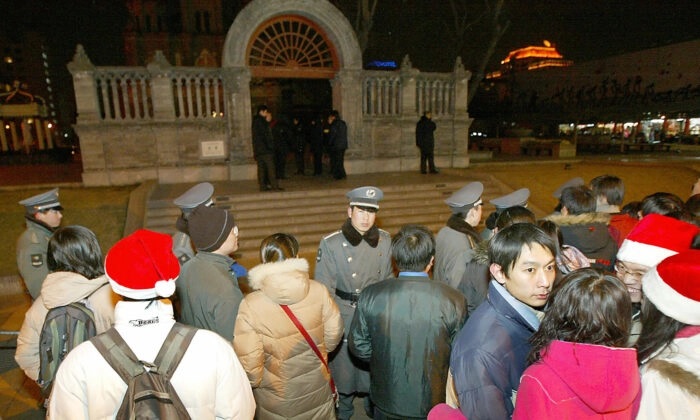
{"x":581,"y":30}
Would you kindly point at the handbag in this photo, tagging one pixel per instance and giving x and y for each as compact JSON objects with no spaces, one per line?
{"x":302,"y":330}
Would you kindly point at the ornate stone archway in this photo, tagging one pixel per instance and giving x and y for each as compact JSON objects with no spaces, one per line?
{"x":254,"y":47}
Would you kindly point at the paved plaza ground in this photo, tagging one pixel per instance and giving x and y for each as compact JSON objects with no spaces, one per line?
{"x":643,"y":175}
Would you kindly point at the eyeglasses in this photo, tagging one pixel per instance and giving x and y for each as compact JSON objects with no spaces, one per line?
{"x":621,"y":269}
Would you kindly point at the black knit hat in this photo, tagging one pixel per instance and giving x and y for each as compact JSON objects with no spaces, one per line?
{"x":209,"y":227}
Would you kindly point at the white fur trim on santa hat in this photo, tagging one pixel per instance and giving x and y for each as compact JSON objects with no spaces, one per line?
{"x":641,"y":253}
{"x":669,"y":301}
{"x":163,"y":288}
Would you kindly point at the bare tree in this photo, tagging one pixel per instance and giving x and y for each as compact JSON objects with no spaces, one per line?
{"x":465,"y":15}
{"x":363,"y":12}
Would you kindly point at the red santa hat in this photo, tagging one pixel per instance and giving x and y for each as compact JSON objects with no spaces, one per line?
{"x":656,"y":238}
{"x":674,"y":287}
{"x":143,"y":266}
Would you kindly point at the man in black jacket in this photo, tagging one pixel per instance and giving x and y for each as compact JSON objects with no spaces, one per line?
{"x":425,"y":140}
{"x":337,"y":144}
{"x":263,"y":150}
{"x":404,"y":328}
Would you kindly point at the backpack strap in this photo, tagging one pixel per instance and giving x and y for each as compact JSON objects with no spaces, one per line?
{"x":118,"y":354}
{"x":174,"y":348}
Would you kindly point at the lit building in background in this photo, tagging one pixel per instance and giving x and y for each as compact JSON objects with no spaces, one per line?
{"x":530,"y":58}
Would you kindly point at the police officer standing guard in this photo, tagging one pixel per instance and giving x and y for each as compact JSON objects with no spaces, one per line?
{"x":348,"y":260}
{"x":43,"y":214}
{"x":188,"y":201}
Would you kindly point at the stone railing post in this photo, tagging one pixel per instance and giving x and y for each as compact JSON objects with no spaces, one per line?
{"x":408,"y":88}
{"x":85,"y":87}
{"x":161,"y":88}
{"x":461,"y":79}
{"x":462,"y":122}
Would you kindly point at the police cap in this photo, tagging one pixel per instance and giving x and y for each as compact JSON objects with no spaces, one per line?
{"x":42,"y":202}
{"x":365,"y":197}
{"x":573,"y":182}
{"x":199,"y":194}
{"x":466,"y":197}
{"x":516,"y":198}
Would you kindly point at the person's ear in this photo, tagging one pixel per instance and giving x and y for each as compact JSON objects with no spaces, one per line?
{"x":349,"y":211}
{"x":498,"y":274}
{"x":564,"y":211}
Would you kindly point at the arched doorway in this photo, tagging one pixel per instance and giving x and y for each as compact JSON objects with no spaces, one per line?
{"x":298,"y":40}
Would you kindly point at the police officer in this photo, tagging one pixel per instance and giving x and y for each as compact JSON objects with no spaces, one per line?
{"x":199,"y":194}
{"x":43,"y":213}
{"x":516,"y":198}
{"x":349,"y":260}
{"x":455,"y":240}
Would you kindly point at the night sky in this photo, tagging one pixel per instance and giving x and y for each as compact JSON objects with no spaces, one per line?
{"x":581,"y":29}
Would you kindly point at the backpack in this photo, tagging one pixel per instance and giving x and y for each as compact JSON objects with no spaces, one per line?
{"x":149,"y":393}
{"x":64,"y":328}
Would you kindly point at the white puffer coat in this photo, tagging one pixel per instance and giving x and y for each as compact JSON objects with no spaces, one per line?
{"x":288,"y":379}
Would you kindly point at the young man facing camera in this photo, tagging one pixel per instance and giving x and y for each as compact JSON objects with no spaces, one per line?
{"x":490,"y":352}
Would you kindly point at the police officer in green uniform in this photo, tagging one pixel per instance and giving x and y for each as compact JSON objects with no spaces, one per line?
{"x":43,"y":215}
{"x":348,"y":260}
{"x":456,"y":241}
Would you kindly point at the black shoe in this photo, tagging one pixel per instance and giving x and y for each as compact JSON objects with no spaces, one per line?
{"x":423,"y":172}
{"x":278,"y":189}
{"x":266,"y":188}
{"x":434,"y":171}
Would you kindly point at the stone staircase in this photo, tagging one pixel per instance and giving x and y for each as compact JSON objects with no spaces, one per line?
{"x":309,"y":214}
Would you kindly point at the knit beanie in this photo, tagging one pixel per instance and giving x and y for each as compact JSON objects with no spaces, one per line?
{"x":143,"y":266}
{"x":656,"y":238}
{"x":674,"y":287}
{"x":209,"y":227}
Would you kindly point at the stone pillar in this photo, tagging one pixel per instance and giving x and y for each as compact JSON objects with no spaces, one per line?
{"x":85,"y":87}
{"x":408,"y":88}
{"x":462,"y":122}
{"x":161,"y":88}
{"x":239,"y":119}
{"x":13,"y":135}
{"x":39,"y":127}
{"x":347,"y":99}
{"x":27,"y":136}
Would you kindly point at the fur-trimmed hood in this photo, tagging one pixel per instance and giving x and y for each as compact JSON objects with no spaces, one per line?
{"x":481,"y":252}
{"x":285,"y":282}
{"x":579,"y":219}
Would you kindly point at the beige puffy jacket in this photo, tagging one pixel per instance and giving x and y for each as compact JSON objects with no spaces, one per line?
{"x":288,"y":379}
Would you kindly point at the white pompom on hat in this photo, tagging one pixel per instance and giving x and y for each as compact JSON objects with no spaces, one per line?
{"x":143,"y":266}
{"x":656,"y":238}
{"x":674,"y":287}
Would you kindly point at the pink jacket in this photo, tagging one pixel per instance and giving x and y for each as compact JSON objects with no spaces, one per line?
{"x":576,"y":381}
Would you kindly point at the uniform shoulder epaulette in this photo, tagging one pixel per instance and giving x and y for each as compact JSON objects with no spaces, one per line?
{"x":332,"y":234}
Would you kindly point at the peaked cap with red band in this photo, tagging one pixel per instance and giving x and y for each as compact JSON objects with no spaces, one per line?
{"x":674,"y":287}
{"x":143,"y":266}
{"x":656,"y":238}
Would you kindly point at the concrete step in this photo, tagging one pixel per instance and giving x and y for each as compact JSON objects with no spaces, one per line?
{"x":311,"y":212}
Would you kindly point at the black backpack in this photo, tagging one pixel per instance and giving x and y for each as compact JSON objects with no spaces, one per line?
{"x":64,"y":328}
{"x":149,"y":394}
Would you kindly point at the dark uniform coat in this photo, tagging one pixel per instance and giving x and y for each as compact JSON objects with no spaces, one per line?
{"x":347,"y":268}
{"x":404,"y":328}
{"x":32,"y":247}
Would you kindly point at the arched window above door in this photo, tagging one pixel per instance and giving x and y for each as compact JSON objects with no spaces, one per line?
{"x":291,"y":46}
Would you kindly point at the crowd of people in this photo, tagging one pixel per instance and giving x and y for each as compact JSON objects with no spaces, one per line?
{"x":590,"y":312}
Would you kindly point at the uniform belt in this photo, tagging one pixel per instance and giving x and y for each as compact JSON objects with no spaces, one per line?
{"x":352,"y":297}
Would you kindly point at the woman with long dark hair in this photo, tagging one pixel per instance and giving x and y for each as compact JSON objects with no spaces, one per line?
{"x":580,"y":368}
{"x":669,"y":345}
{"x":76,"y":274}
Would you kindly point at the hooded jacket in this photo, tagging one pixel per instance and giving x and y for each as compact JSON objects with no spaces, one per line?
{"x":575,"y":381}
{"x":590,"y":234}
{"x":209,"y":379}
{"x":59,"y":289}
{"x":670,"y":384}
{"x":288,"y":379}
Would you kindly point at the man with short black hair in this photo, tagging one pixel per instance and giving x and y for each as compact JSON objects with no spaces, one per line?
{"x":489,"y":354}
{"x":264,"y":150}
{"x":349,"y":260}
{"x":408,"y":371}
{"x":609,"y":192}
